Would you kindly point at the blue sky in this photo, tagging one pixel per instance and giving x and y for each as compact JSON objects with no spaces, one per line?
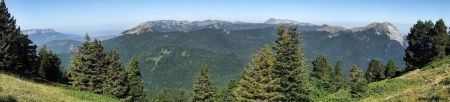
{"x":113,"y":16}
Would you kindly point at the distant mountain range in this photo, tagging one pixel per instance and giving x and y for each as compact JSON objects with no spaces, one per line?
{"x":168,"y":47}
{"x":186,"y":26}
{"x":44,"y":36}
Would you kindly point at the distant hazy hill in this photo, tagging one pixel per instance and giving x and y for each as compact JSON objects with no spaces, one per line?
{"x":186,"y":26}
{"x":46,"y":36}
{"x":41,"y":36}
{"x":171,"y":59}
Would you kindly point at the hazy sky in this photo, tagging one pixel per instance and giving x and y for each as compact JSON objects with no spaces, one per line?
{"x":115,"y":16}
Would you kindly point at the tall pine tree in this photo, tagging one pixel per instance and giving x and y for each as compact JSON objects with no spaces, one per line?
{"x":420,"y":49}
{"x":338,"y":76}
{"x":257,"y":82}
{"x":358,"y":82}
{"x":321,"y":68}
{"x":321,"y":74}
{"x":290,"y":65}
{"x":375,"y":71}
{"x":391,"y":69}
{"x":203,"y":88}
{"x":137,"y":92}
{"x":116,"y":82}
{"x":87,"y":69}
{"x":17,"y":54}
{"x":439,"y":39}
{"x":48,"y":65}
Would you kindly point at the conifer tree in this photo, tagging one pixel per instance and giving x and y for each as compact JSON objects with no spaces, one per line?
{"x":419,"y":51}
{"x":338,"y":76}
{"x":321,"y":68}
{"x":257,"y":82}
{"x":165,"y":95}
{"x":227,"y":92}
{"x":321,"y":74}
{"x":87,"y":69}
{"x":358,"y":82}
{"x":203,"y":88}
{"x":116,"y":82}
{"x":290,"y":65}
{"x":80,"y":63}
{"x":439,"y":39}
{"x":375,"y":71}
{"x":391,"y":69}
{"x":48,"y":65}
{"x":136,"y":84}
{"x":17,"y":54}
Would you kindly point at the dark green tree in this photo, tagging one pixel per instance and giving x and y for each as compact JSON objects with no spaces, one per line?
{"x":136,"y":84}
{"x":116,"y":80}
{"x":257,"y":83}
{"x":87,"y":69}
{"x":203,"y":88}
{"x":226,"y":94}
{"x":290,"y":65}
{"x":17,"y":53}
{"x":358,"y":82}
{"x":439,"y":39}
{"x":391,"y":69}
{"x":165,"y":95}
{"x":81,"y":61}
{"x":375,"y":71}
{"x":338,"y":76}
{"x":420,"y":49}
{"x":321,"y":68}
{"x":48,"y":65}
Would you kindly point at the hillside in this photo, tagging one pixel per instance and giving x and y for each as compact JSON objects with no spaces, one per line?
{"x":171,"y":59}
{"x":430,"y":82}
{"x":27,"y":91}
{"x":418,"y":85}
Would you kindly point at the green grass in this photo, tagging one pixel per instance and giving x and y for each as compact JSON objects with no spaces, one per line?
{"x":417,"y":85}
{"x":28,"y":91}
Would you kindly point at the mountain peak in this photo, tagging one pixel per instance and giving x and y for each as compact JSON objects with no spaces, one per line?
{"x":37,"y":31}
{"x":281,"y":21}
{"x":384,"y":27}
{"x":286,"y":21}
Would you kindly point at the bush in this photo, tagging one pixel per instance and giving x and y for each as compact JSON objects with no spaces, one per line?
{"x":445,"y":81}
{"x":7,"y":98}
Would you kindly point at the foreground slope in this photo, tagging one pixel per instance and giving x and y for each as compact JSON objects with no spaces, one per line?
{"x":429,"y":83}
{"x":423,"y":84}
{"x":27,"y":91}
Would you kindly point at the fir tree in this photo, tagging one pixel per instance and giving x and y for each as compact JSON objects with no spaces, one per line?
{"x":375,"y":71}
{"x":321,"y":74}
{"x":48,"y":65}
{"x":338,"y":76}
{"x":203,"y":88}
{"x":87,"y":69}
{"x":391,"y":69}
{"x":419,"y":51}
{"x":321,"y":68}
{"x":439,"y":39}
{"x":116,"y":82}
{"x":227,"y":92}
{"x":80,"y":63}
{"x":358,"y":82}
{"x":290,"y":65}
{"x":137,"y":92}
{"x":257,"y":82}
{"x":165,"y":95}
{"x":17,"y":54}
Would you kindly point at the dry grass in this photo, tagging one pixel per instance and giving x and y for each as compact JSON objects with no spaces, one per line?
{"x":419,"y":85}
{"x":27,"y":91}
